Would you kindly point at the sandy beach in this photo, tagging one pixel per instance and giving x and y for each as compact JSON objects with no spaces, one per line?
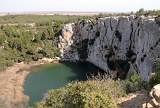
{"x":11,"y":83}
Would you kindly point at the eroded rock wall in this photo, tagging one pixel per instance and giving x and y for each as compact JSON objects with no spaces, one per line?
{"x":113,"y":43}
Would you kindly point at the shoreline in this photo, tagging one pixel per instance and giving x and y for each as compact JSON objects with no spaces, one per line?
{"x":12,"y":82}
{"x":12,"y":86}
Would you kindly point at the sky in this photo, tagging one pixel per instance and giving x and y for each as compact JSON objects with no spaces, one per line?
{"x":77,"y":5}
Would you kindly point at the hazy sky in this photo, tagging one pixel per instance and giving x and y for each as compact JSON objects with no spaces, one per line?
{"x":77,"y":5}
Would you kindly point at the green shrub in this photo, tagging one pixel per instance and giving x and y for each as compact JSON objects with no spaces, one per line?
{"x":86,"y":94}
{"x":155,"y":79}
{"x":18,"y":44}
{"x":134,"y":83}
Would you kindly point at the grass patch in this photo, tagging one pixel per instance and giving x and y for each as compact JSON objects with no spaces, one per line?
{"x":39,"y":19}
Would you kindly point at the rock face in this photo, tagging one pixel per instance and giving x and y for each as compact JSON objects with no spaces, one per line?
{"x":155,"y":94}
{"x":113,"y":43}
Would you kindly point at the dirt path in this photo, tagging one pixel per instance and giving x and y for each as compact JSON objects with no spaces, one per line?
{"x":11,"y":84}
{"x":139,"y":99}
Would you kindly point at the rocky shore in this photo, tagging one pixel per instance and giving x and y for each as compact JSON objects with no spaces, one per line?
{"x":11,"y":83}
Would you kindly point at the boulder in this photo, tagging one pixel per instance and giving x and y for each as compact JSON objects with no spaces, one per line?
{"x":155,"y":94}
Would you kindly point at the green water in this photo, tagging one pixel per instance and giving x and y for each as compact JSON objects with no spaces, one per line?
{"x":52,"y":76}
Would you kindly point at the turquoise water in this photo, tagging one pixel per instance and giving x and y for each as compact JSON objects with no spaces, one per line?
{"x":52,"y":76}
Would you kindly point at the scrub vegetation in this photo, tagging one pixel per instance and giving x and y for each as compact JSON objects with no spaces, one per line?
{"x":93,"y":93}
{"x":97,"y":92}
{"x":25,"y":38}
{"x":155,"y":79}
{"x":39,"y":19}
{"x":17,"y":44}
{"x":140,"y":12}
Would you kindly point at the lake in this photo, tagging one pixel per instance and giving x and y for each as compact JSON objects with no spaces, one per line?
{"x":53,"y":76}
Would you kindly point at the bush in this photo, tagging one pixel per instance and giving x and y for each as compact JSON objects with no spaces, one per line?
{"x":134,"y":83}
{"x":18,"y":44}
{"x":86,"y":94}
{"x":155,"y":79}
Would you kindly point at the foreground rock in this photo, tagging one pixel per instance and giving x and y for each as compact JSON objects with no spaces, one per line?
{"x":114,"y":43}
{"x":155,"y":94}
{"x":11,"y":84}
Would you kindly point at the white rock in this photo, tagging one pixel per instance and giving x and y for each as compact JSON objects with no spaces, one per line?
{"x":119,"y":35}
{"x":155,"y":94}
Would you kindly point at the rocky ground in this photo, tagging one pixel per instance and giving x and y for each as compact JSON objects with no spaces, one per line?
{"x":11,"y":84}
{"x":134,"y":100}
{"x":140,"y":99}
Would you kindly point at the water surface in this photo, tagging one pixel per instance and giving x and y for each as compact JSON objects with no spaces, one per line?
{"x":52,"y":76}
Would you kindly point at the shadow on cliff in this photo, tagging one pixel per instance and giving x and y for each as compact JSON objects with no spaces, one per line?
{"x":82,"y":70}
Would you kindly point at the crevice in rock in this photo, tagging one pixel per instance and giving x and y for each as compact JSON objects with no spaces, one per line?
{"x":105,"y":46}
{"x":118,"y":35}
{"x":91,"y":27}
{"x":155,"y":45}
{"x":157,"y":20}
{"x":142,"y":59}
{"x":115,"y":47}
{"x":97,"y":34}
{"x":131,"y":56}
{"x":91,"y":41}
{"x":106,"y":30}
{"x":110,"y":53}
{"x":144,"y":56}
{"x":110,"y":22}
{"x":138,"y":32}
{"x":131,"y":34}
{"x":82,"y":22}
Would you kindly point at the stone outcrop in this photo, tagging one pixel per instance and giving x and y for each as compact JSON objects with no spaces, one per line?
{"x":155,"y":94}
{"x":113,"y":43}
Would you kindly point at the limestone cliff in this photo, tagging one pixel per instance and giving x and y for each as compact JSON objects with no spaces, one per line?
{"x":119,"y":44}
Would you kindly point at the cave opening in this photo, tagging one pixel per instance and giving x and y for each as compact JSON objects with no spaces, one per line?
{"x":82,"y":49}
{"x":118,"y":35}
{"x":120,"y":66}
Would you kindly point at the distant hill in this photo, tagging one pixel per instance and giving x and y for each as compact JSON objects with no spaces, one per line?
{"x":52,"y":13}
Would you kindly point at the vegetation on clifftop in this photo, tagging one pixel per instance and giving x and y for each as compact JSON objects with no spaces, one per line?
{"x":19,"y":44}
{"x":39,"y":19}
{"x":30,"y":37}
